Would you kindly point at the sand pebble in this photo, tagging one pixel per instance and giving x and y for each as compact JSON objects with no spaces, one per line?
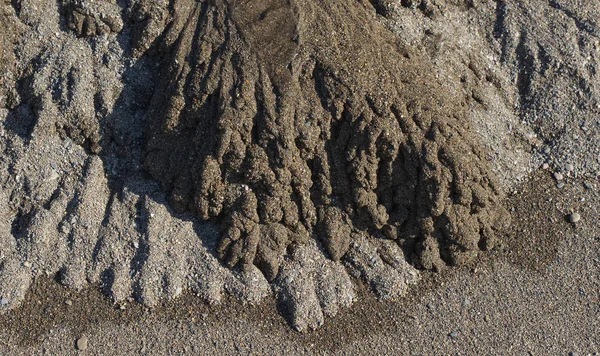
{"x":560,"y":185}
{"x":68,"y":302}
{"x":569,"y":167}
{"x":82,"y":343}
{"x":3,"y":301}
{"x":575,"y":217}
{"x":558,"y":176}
{"x":453,"y":334}
{"x":178,"y":291}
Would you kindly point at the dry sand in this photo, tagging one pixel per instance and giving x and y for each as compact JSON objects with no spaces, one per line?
{"x":526,"y":72}
{"x":540,"y":298}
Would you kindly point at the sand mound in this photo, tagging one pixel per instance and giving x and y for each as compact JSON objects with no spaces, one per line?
{"x":256,"y":147}
{"x":288,"y":120}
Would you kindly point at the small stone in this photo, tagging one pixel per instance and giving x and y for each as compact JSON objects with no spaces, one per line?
{"x":466,"y":302}
{"x":588,"y":185}
{"x":569,"y":167}
{"x":560,"y":185}
{"x":558,"y":176}
{"x":575,"y":217}
{"x":3,"y":301}
{"x":178,"y":291}
{"x":82,"y":343}
{"x":68,"y":302}
{"x":453,"y":334}
{"x":53,"y":176}
{"x":545,"y":166}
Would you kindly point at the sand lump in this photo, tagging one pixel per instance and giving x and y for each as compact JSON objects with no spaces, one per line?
{"x":287,"y":121}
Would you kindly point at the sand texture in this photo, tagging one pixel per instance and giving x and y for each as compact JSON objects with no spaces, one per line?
{"x":425,"y":165}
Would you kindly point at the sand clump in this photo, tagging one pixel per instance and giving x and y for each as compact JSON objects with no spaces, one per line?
{"x":288,"y":120}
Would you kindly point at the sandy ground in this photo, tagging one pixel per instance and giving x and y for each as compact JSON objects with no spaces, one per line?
{"x":528,"y":71}
{"x":538,"y":295}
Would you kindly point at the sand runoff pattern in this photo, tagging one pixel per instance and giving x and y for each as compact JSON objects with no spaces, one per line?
{"x":241,"y":147}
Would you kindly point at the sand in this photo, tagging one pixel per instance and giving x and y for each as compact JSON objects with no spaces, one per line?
{"x":103,"y":268}
{"x":536,"y":299}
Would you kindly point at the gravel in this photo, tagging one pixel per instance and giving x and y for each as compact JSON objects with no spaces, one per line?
{"x":82,"y":343}
{"x":574,"y":218}
{"x":558,"y":176}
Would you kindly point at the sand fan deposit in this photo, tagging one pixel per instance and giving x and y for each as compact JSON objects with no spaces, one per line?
{"x":255,"y":147}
